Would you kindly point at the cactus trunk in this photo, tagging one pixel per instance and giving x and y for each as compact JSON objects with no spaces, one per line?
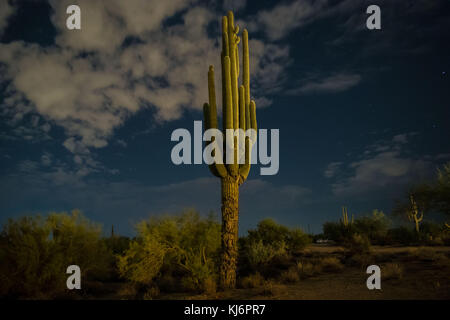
{"x":230,"y":214}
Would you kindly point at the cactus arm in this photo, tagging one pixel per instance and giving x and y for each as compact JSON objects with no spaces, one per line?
{"x":211,"y":112}
{"x":206,"y":114}
{"x":237,"y":61}
{"x":420,"y":217}
{"x":228,"y":114}
{"x":246,"y":77}
{"x":253,"y":115}
{"x":225,"y":52}
{"x":242,"y":124}
{"x":225,"y":48}
{"x":232,"y":55}
{"x":217,"y":169}
{"x":245,"y":169}
{"x":212,"y":98}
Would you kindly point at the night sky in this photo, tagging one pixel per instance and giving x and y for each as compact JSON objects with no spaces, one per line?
{"x":87,"y":115}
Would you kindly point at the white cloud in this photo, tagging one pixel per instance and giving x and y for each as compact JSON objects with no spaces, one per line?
{"x":384,"y":165}
{"x":283,"y":18}
{"x":335,"y":83}
{"x":332,"y":169}
{"x":234,"y":5}
{"x":6,"y":10}
{"x":90,"y":83}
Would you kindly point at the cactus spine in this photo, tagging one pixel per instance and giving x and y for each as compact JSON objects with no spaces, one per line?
{"x":344,"y":219}
{"x":413,"y":214}
{"x":239,"y":112}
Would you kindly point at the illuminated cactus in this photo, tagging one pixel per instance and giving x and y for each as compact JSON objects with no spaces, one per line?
{"x":239,"y":112}
{"x":413,"y":214}
{"x":344,"y":219}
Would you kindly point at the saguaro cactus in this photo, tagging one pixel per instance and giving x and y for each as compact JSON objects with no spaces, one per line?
{"x":413,"y":214}
{"x":344,"y":219}
{"x":239,"y":112}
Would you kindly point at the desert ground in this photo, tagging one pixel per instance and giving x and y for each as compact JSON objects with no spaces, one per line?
{"x":406,"y":273}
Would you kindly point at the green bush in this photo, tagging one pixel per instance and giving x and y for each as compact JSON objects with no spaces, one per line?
{"x":260,"y":255}
{"x":252,"y":281}
{"x":268,"y":248}
{"x":270,"y":233}
{"x":184,"y":247}
{"x":337,"y":231}
{"x":402,"y":235}
{"x":374,"y":226}
{"x":35,"y":253}
{"x":358,"y":244}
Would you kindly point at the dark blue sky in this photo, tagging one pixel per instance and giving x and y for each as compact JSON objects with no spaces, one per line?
{"x":86,"y":116}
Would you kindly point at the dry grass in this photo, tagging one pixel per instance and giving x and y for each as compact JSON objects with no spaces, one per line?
{"x":209,"y":286}
{"x":128,"y":291}
{"x":391,"y":271}
{"x":307,"y":269}
{"x":330,"y":264}
{"x":426,"y":254}
{"x":290,"y":276}
{"x":270,"y":288}
{"x":252,"y":281}
{"x":361,"y":260}
{"x":151,"y":293}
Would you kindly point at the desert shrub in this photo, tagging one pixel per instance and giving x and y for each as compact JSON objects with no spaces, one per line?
{"x":128,"y":291}
{"x":360,"y":260}
{"x":269,"y":247}
{"x":433,"y":234}
{"x":402,"y":235}
{"x":297,"y":240}
{"x":143,"y":260}
{"x":428,"y":255}
{"x":338,"y":232}
{"x":374,"y":226}
{"x":151,"y":293}
{"x":290,"y":276}
{"x":307,"y":269}
{"x":210,"y":286}
{"x":330,"y":264}
{"x":271,"y":233}
{"x":269,"y":288}
{"x":252,"y":281}
{"x":391,"y":271}
{"x":117,"y":244}
{"x":184,"y":247}
{"x":358,"y":244}
{"x":335,"y":231}
{"x":259,"y":254}
{"x":36,"y":251}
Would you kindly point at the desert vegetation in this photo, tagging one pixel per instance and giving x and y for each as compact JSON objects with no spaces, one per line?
{"x":180,"y":256}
